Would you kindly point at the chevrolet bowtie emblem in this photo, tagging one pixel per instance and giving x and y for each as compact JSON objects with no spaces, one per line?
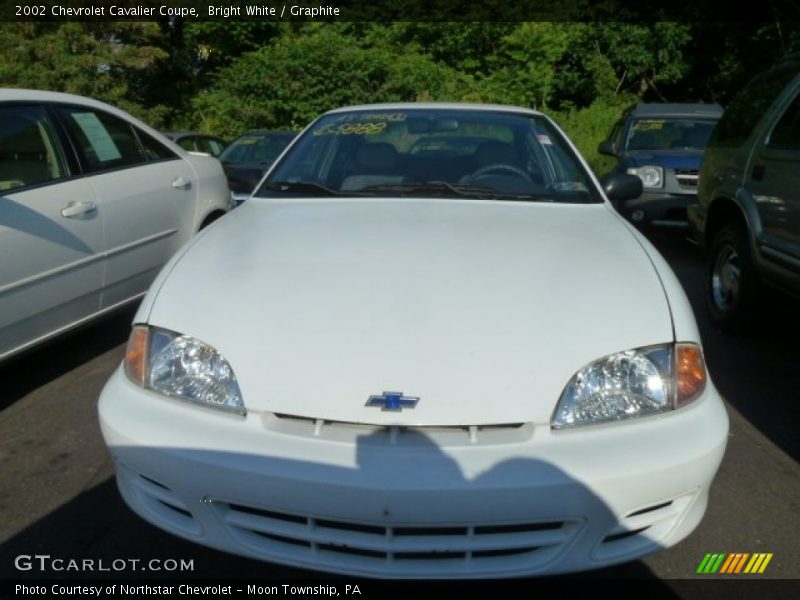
{"x":394,"y":401}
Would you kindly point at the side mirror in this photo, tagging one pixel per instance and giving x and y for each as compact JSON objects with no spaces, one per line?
{"x":620,"y":187}
{"x":607,"y":148}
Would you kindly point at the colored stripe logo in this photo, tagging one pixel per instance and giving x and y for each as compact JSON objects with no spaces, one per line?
{"x":734,"y":563}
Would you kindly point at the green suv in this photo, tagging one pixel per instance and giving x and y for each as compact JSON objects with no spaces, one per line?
{"x":748,"y":211}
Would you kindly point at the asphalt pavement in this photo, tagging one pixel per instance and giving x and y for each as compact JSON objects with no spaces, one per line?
{"x":58,"y":496}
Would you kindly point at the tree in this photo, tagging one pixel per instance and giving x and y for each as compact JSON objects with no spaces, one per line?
{"x":108,"y":61}
{"x":288,"y":83}
{"x":524,"y":69}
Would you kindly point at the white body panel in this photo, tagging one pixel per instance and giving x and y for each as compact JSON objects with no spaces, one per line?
{"x":62,"y":271}
{"x":146,"y":221}
{"x":267,"y":488}
{"x":51,"y":270}
{"x":458,"y":302}
{"x":482,"y":309}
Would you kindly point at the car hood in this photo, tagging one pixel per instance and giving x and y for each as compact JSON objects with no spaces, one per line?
{"x":482,"y":309}
{"x":670,"y":159}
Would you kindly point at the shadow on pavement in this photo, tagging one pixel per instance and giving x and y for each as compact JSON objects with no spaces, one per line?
{"x":24,"y":373}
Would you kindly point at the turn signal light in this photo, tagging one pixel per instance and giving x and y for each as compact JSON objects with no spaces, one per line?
{"x":136,"y":354}
{"x":690,"y":373}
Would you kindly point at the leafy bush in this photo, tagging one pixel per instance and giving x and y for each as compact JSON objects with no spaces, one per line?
{"x":291,"y":82}
{"x":589,"y":126}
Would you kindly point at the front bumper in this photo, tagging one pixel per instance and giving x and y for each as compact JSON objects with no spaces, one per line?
{"x":423,"y":502}
{"x":659,"y":209}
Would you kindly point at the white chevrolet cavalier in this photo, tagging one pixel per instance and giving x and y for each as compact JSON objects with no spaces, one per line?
{"x":443,"y":354}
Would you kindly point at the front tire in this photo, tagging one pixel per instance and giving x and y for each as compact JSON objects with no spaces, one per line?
{"x":732,"y":283}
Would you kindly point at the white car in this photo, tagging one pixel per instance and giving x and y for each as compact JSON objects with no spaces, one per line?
{"x":93,"y":203}
{"x":452,"y":362}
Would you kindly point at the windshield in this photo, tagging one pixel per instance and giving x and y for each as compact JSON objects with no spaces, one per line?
{"x":432,"y":153}
{"x":256,"y":148}
{"x":666,"y":134}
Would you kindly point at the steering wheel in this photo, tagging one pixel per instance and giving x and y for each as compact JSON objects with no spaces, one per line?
{"x":500,"y":167}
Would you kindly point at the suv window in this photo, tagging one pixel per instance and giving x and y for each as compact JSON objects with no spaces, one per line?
{"x":786,"y":134}
{"x":29,"y":149}
{"x":743,"y":114}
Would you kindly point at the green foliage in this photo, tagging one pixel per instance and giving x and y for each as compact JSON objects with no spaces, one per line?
{"x":525,"y":68}
{"x":589,"y":126}
{"x":289,"y":83}
{"x":466,"y":47}
{"x":725,"y":56}
{"x":217,"y":43}
{"x":107,"y":61}
{"x":229,"y":76}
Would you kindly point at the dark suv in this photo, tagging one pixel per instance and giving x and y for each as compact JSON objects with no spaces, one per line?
{"x":748,"y":211}
{"x":663,"y":144}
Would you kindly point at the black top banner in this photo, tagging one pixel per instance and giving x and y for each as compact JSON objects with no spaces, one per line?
{"x":402,"y":10}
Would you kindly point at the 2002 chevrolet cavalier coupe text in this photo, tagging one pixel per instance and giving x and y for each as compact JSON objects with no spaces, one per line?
{"x":444,"y":354}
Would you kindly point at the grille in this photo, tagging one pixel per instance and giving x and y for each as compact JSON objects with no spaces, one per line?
{"x":687,"y":177}
{"x":161,"y":502}
{"x":270,"y":532}
{"x":400,"y":435}
{"x":641,"y":529}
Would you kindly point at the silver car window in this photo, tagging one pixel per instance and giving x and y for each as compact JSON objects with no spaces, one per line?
{"x":106,"y":141}
{"x":30,"y":153}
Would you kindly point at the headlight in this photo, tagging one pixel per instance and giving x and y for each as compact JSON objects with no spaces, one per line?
{"x":631,"y":384}
{"x":182,"y":367}
{"x":652,"y":177}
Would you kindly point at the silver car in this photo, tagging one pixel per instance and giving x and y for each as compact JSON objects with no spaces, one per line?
{"x":93,"y":203}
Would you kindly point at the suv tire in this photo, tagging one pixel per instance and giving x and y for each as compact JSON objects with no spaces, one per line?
{"x":732,"y":283}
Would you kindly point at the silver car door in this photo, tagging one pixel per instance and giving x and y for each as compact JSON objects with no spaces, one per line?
{"x":51,"y":232}
{"x":147,"y":193}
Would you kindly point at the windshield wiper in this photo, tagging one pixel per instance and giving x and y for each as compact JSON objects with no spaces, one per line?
{"x":467,"y":191}
{"x":481,"y":192}
{"x":301,"y":186}
{"x":404,"y":189}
